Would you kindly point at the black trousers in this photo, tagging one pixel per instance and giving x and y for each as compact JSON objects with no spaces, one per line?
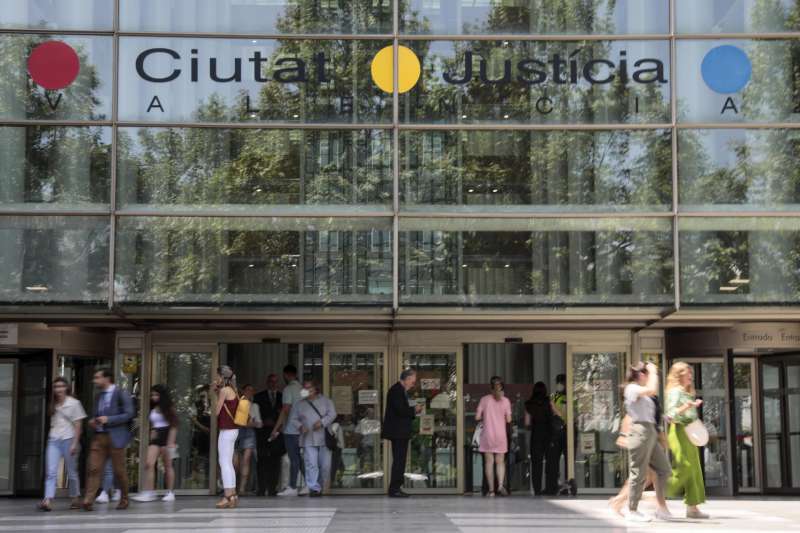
{"x":558,"y":449}
{"x":269,"y":462}
{"x":540,"y":450}
{"x":399,"y":453}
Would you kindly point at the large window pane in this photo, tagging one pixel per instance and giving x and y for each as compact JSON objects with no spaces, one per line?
{"x":721,"y":169}
{"x":58,"y":14}
{"x":234,"y":168}
{"x":565,"y":171}
{"x":257,"y":16}
{"x":53,"y":166}
{"x":253,"y":261}
{"x":166,"y":79}
{"x":549,"y":82}
{"x":450,"y":17}
{"x":740,"y":260}
{"x":738,"y":81}
{"x":536,"y":261}
{"x":736,"y":16}
{"x":54,"y":259}
{"x":70,"y":78}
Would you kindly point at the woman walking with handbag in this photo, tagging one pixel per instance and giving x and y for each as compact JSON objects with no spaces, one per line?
{"x":687,"y":474}
{"x":63,"y":441}
{"x":163,"y":433}
{"x":227,"y":403}
{"x":642,"y":441}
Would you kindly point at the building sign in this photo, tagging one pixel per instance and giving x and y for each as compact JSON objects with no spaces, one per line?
{"x":762,"y":336}
{"x":9,"y":334}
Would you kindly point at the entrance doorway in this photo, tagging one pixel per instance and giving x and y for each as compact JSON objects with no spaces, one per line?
{"x":24,"y":389}
{"x":520,"y":365}
{"x":780,"y":385}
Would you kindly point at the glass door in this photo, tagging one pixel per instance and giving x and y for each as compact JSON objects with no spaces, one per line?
{"x":188,"y":374}
{"x":781,"y":414}
{"x":8,"y":380}
{"x":595,"y":392}
{"x":747,"y":447}
{"x":435,"y":450}
{"x":354,"y":382}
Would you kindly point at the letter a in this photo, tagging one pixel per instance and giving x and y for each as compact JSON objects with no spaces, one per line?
{"x":155,"y":103}
{"x":729,"y":104}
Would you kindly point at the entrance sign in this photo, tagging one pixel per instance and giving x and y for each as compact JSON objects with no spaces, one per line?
{"x":9,"y":334}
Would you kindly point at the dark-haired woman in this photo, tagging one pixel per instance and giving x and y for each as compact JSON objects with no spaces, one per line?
{"x":163,"y":432}
{"x":63,"y":441}
{"x":539,"y":418}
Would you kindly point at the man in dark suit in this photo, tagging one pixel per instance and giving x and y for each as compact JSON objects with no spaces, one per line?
{"x":397,"y":424}
{"x":270,"y":451}
{"x":113,"y":411}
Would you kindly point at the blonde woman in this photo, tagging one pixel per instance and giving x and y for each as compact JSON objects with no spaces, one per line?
{"x":687,"y":475}
{"x":227,"y":402}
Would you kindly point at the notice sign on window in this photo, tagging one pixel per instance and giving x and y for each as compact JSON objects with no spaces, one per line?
{"x":342,"y":399}
{"x":587,"y":443}
{"x":430,"y":383}
{"x":368,"y":397}
{"x":426,"y":423}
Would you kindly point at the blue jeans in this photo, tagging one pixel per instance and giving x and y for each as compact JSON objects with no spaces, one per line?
{"x":292,"y":443}
{"x":56,"y":449}
{"x":108,"y":478}
{"x":318,"y":466}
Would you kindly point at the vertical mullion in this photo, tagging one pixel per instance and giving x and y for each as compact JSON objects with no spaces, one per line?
{"x":676,"y":275}
{"x":112,"y":246}
{"x":395,"y":159}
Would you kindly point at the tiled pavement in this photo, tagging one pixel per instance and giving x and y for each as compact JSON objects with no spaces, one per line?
{"x":420,"y":514}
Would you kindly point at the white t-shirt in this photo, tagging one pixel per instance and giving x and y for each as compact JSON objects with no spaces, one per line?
{"x":157,"y":419}
{"x":63,"y":419}
{"x":640,"y":408}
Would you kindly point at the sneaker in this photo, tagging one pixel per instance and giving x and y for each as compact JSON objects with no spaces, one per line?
{"x":102,"y":497}
{"x":636,"y":516}
{"x":117,"y":496}
{"x":696,"y":514}
{"x":168,"y":497}
{"x":288,"y":491}
{"x":664,"y":516}
{"x":145,"y":496}
{"x":303,"y":491}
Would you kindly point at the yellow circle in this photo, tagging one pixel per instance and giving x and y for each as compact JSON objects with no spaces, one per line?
{"x":408,"y":69}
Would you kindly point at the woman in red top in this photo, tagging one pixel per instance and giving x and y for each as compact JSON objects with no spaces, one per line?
{"x":227,"y":402}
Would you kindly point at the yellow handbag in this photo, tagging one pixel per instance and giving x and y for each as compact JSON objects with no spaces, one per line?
{"x":242,"y":416}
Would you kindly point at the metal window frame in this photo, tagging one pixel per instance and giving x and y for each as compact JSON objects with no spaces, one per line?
{"x":673,"y":37}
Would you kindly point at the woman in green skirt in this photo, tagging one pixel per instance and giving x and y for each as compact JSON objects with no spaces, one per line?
{"x":681,"y":409}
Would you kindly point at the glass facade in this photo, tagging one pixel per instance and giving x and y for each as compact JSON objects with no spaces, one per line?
{"x":532,"y":153}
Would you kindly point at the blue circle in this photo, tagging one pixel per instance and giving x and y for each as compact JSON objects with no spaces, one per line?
{"x":726,"y":69}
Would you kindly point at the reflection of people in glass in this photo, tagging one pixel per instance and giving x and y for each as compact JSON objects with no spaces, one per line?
{"x":558,"y":445}
{"x":163,"y":433}
{"x":539,"y":417}
{"x":681,"y":408}
{"x":201,"y":430}
{"x":367,"y":429}
{"x":494,"y":410}
{"x":246,"y":442}
{"x":643,"y":444}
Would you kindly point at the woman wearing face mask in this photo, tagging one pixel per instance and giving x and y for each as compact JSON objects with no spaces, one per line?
{"x":63,"y":441}
{"x":163,"y":432}
{"x":227,"y":402}
{"x":494,"y":410}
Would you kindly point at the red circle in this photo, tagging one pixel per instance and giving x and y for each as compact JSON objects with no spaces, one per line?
{"x":54,"y":65}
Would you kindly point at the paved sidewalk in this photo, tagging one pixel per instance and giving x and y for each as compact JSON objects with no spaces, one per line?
{"x":421,"y":514}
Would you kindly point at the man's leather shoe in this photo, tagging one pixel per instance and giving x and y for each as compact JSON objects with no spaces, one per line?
{"x":399,"y":494}
{"x":122,"y":505}
{"x":87,"y":506}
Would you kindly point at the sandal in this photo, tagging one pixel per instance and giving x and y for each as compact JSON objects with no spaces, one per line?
{"x":225,"y":503}
{"x":44,"y":506}
{"x":490,"y":494}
